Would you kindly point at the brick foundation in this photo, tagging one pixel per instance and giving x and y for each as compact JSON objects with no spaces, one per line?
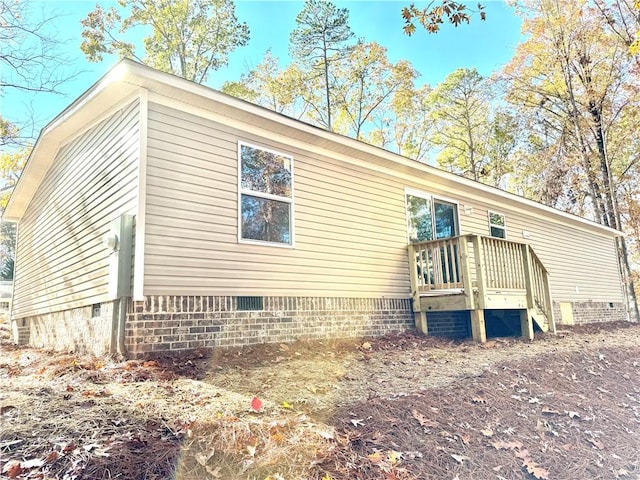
{"x":593,"y":312}
{"x":76,"y":330}
{"x":178,"y":323}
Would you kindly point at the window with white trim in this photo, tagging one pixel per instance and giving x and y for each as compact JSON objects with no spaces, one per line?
{"x":430,"y":218}
{"x":265,"y":196}
{"x":497,"y":225}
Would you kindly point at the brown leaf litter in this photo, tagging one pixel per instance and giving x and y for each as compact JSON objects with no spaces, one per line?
{"x":400,"y":407}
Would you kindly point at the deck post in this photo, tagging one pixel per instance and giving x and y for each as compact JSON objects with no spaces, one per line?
{"x":528,"y":275}
{"x":549,"y":303}
{"x":480,"y":273}
{"x":421,"y":322}
{"x":413,"y":277}
{"x":467,"y":284}
{"x":478,"y":329}
{"x":526,"y":323}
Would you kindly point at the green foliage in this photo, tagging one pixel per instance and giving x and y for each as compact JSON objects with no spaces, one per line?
{"x":268,"y":85}
{"x":365,"y":81}
{"x":322,"y":29}
{"x":190,"y":38}
{"x":8,"y":132}
{"x":574,"y":77}
{"x":460,"y":111}
{"x":11,"y":165}
{"x":7,"y":250}
{"x":435,"y":14}
{"x":319,"y":40}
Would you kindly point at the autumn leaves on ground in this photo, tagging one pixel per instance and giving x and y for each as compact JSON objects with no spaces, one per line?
{"x":400,"y":407}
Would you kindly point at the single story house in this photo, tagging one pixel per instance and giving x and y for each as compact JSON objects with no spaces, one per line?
{"x":156,"y":214}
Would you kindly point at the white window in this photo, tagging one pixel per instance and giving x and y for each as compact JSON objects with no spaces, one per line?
{"x":430,"y":218}
{"x":265,"y":196}
{"x":497,"y":225}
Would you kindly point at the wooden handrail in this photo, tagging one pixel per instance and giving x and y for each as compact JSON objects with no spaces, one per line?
{"x":437,"y":263}
{"x":497,"y":264}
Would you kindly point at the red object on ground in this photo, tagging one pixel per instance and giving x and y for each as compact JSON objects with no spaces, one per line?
{"x":256,"y":403}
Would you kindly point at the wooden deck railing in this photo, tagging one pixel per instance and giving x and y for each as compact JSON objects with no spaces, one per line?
{"x":478,"y":265}
{"x":437,"y":264}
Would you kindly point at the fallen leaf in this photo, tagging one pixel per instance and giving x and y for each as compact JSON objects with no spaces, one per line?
{"x":150,"y":363}
{"x":596,"y":443}
{"x":532,"y":467}
{"x":286,"y":405}
{"x":12,"y":469}
{"x":465,"y":438}
{"x":215,"y":472}
{"x":393,"y":456}
{"x":251,"y":450}
{"x":535,"y":400}
{"x":487,"y":432}
{"x":573,"y":414}
{"x":33,"y":463}
{"x":365,"y":346}
{"x":422,"y":420}
{"x":52,"y":457}
{"x":502,"y":445}
{"x":326,"y":434}
{"x":375,"y":457}
{"x":356,"y":422}
{"x":256,"y":404}
{"x":201,"y":458}
{"x":6,"y":408}
{"x":549,"y":411}
{"x":489,"y":344}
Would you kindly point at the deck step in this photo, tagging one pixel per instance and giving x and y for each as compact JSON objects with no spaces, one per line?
{"x":541,"y":322}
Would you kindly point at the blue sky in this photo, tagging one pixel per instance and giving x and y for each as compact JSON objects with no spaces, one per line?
{"x":484,"y":45}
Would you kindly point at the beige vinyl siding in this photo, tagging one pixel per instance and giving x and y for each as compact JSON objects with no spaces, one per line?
{"x":61,"y":261}
{"x":348,"y":241}
{"x":573,"y":256}
{"x":350,"y":225}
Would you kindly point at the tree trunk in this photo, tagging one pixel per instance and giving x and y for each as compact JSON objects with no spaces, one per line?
{"x":326,"y":83}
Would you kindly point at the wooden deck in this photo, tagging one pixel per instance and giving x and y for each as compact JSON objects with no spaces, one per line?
{"x":478,"y":273}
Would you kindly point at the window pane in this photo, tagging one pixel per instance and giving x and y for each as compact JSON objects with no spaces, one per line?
{"x":420,"y":224}
{"x":265,"y":220}
{"x":265,"y":172}
{"x":497,"y":232}
{"x":496,"y":219}
{"x":445,"y":220}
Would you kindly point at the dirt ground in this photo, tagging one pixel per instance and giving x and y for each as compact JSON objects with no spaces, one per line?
{"x":399,"y":407}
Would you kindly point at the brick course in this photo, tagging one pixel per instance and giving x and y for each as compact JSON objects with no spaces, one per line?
{"x":593,"y":312}
{"x":175,"y":323}
{"x":74,"y":330}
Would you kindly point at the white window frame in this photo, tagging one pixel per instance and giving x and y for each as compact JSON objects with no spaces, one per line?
{"x":268,"y":196}
{"x":491,"y":225}
{"x":432,"y":197}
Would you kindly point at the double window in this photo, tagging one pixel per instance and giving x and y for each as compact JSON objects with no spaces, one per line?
{"x":265,"y":196}
{"x":430,"y":218}
{"x":497,"y":225}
